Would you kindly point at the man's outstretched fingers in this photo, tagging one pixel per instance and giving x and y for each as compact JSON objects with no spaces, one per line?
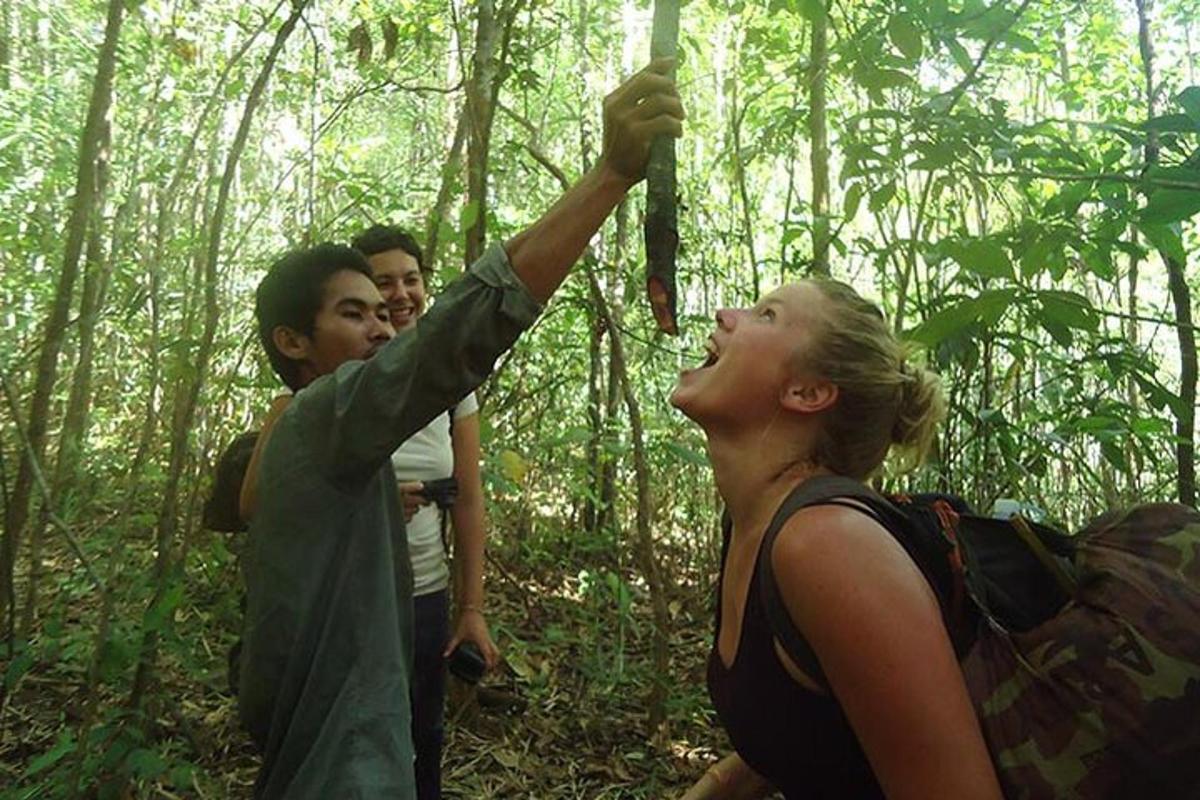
{"x":658,"y":126}
{"x":657,"y":105}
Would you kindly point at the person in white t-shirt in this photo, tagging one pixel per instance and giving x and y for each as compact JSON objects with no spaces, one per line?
{"x":444,"y":448}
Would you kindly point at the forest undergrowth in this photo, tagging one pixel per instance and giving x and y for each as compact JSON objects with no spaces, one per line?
{"x":563,"y":717}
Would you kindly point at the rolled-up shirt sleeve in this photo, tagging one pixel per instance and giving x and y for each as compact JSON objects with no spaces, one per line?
{"x":362,"y":411}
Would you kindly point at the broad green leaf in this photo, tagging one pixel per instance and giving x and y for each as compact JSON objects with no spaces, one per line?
{"x":158,"y":614}
{"x":852,"y":200}
{"x":993,"y":304}
{"x":1068,"y":308}
{"x":1189,"y":101}
{"x":984,"y":257}
{"x":1171,"y":205}
{"x":946,"y":323}
{"x":1181,"y":123}
{"x":1058,"y":332}
{"x":63,"y":747}
{"x":882,"y":196}
{"x":1069,"y":198}
{"x":146,"y":764}
{"x":960,"y":54}
{"x":687,"y":454}
{"x":906,"y":36}
{"x":470,"y":214}
{"x":812,"y":10}
{"x":1167,"y":239}
{"x":879,"y":79}
{"x":1044,"y":254}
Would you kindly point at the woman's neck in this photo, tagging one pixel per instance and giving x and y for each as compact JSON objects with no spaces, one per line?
{"x":754,"y":477}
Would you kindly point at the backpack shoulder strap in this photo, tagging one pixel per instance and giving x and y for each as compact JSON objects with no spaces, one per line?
{"x":814,"y":491}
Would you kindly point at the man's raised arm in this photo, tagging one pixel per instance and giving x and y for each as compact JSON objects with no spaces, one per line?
{"x":379,"y":403}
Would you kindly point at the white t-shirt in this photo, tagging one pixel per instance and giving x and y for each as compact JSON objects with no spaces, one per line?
{"x":427,"y":455}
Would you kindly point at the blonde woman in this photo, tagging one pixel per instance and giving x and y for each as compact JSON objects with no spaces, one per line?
{"x":868,"y":697}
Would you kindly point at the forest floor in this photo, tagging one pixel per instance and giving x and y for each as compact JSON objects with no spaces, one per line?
{"x":571,"y":721}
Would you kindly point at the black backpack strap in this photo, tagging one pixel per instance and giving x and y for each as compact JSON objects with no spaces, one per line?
{"x":815,"y":491}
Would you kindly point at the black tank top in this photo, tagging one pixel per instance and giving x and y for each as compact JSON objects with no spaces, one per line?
{"x":797,"y":739}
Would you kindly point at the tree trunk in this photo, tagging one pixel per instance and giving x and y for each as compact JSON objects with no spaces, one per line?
{"x":6,"y":20}
{"x":70,"y":439}
{"x":481,"y":111}
{"x":1185,"y":416}
{"x":818,"y":134}
{"x":17,"y":512}
{"x":661,"y":224}
{"x":437,"y":214}
{"x":607,"y":491}
{"x":165,"y":568}
{"x":644,"y":543}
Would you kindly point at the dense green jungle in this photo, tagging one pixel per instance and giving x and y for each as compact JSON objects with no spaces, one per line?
{"x":1015,"y":182}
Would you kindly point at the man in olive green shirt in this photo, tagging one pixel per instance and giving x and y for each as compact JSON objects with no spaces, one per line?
{"x":328,"y":632}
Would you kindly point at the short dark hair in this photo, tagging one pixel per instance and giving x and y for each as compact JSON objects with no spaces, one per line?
{"x":381,"y":238}
{"x":291,"y":295}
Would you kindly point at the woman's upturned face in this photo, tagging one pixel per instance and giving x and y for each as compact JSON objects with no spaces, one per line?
{"x":399,"y":280}
{"x":751,"y":358}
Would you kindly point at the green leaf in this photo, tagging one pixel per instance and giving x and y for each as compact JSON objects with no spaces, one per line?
{"x":1058,"y":332}
{"x":882,"y":196}
{"x":945,"y":324}
{"x":687,"y":454}
{"x":852,"y":200}
{"x":158,"y":613}
{"x":879,"y":79}
{"x":1180,"y":123}
{"x":906,"y":36}
{"x":812,"y":10}
{"x":470,"y":215}
{"x":146,"y":764}
{"x":992,"y":305}
{"x":988,"y":307}
{"x":16,"y":668}
{"x":1171,"y":205}
{"x":1189,"y":101}
{"x":1069,"y":198}
{"x":1044,"y":254}
{"x":960,"y":55}
{"x":1167,"y":239}
{"x":1068,"y":308}
{"x":984,"y":257}
{"x":1113,"y":454}
{"x":65,"y":746}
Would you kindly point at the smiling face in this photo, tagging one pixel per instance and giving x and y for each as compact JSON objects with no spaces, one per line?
{"x":398,"y":277}
{"x":751,"y":363}
{"x":352,"y":323}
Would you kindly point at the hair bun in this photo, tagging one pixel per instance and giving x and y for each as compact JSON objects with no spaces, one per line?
{"x":921,"y":408}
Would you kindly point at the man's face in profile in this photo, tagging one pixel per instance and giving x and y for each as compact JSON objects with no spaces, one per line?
{"x":352,"y":323}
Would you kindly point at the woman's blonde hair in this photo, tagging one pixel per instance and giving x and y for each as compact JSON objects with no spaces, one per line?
{"x":882,"y":399}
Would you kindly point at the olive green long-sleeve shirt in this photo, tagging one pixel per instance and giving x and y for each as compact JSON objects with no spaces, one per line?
{"x":328,"y":634}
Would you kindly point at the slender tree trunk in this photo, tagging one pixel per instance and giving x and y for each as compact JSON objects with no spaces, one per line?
{"x":437,"y":214}
{"x":165,"y":566}
{"x":17,"y":512}
{"x":6,"y":58}
{"x":647,"y":559}
{"x":70,"y":439}
{"x":818,"y":134}
{"x":607,"y":492}
{"x":1185,"y":417}
{"x":482,"y":89}
{"x":736,"y":118}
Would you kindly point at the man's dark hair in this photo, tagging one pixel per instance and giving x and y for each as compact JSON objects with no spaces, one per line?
{"x":291,"y":295}
{"x":381,"y":238}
